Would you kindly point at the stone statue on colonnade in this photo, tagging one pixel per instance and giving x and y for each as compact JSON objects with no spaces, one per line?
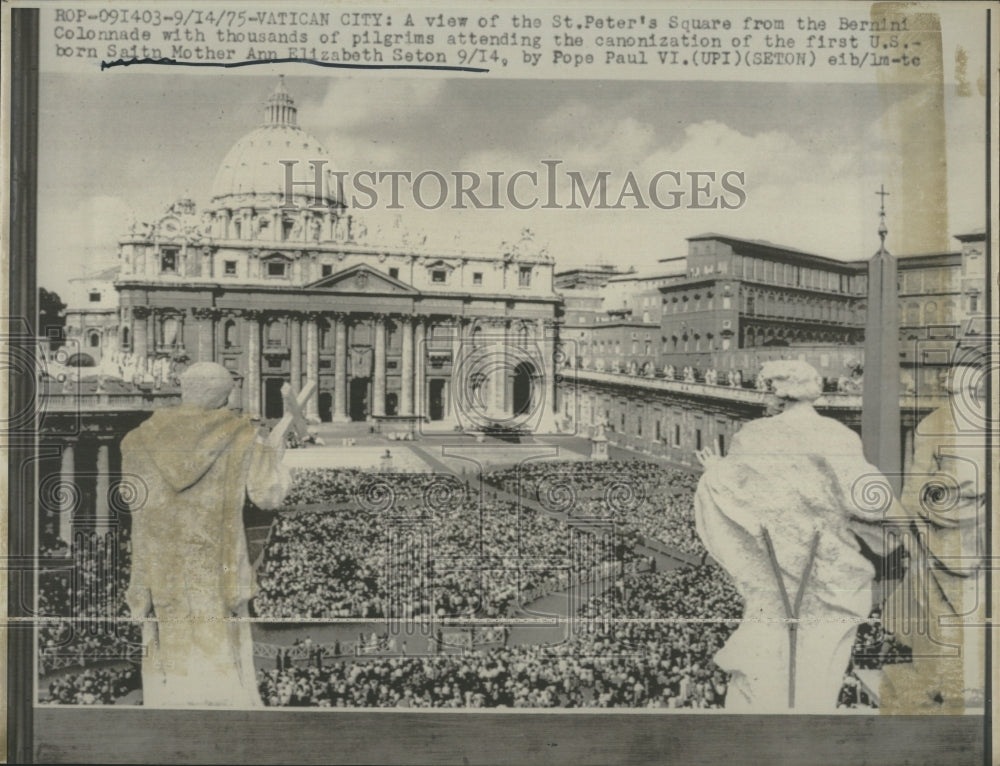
{"x":780,"y":513}
{"x":191,"y":577}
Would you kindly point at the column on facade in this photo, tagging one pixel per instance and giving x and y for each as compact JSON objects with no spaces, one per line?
{"x":295,"y":352}
{"x":206,"y":333}
{"x":340,"y":369}
{"x":102,"y":506}
{"x":152,"y":333}
{"x":406,"y":368}
{"x":456,"y":368}
{"x":419,"y":362}
{"x":139,"y":337}
{"x":312,"y":365}
{"x":253,"y":363}
{"x":69,"y":493}
{"x":549,"y":372}
{"x":378,"y":381}
{"x":498,"y":384}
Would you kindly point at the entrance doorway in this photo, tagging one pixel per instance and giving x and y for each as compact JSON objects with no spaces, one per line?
{"x":523,"y":374}
{"x":274,"y":407}
{"x":325,"y":406}
{"x":359,"y":407}
{"x":435,"y":394}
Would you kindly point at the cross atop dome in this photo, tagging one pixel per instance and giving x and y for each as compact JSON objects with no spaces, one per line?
{"x":280,"y":107}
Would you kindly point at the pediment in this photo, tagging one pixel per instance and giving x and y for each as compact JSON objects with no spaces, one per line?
{"x":362,"y":279}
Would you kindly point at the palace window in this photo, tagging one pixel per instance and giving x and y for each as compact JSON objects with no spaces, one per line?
{"x":973,"y":303}
{"x":168,"y":260}
{"x":326,"y":269}
{"x":125,"y":338}
{"x":477,"y":279}
{"x":94,"y":296}
{"x":229,"y":267}
{"x":277,"y":268}
{"x":677,"y":435}
{"x":394,"y":272}
{"x":439,"y":276}
{"x":524,"y":276}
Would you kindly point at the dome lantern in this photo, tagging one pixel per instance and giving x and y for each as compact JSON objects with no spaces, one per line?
{"x":280,"y":107}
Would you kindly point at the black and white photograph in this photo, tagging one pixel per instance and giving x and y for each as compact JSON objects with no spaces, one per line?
{"x":574,"y":362}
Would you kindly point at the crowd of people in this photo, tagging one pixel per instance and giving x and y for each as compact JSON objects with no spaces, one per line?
{"x":93,"y":686}
{"x":83,"y":614}
{"x":648,"y":642}
{"x":365,"y":561}
{"x":655,"y":501}
{"x":452,"y":555}
{"x":603,"y":664}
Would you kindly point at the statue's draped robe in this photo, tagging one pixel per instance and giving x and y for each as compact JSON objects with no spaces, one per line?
{"x":943,"y":530}
{"x":190,"y":565}
{"x":796,"y":474}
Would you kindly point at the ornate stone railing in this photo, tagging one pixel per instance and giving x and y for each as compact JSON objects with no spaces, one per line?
{"x":96,"y":402}
{"x":731,"y":393}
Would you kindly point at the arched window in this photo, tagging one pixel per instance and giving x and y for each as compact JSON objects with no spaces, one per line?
{"x":229,"y":334}
{"x":169,"y":329}
{"x":94,"y":339}
{"x":275,"y":333}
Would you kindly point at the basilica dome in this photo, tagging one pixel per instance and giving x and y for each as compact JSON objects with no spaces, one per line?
{"x":252,"y":171}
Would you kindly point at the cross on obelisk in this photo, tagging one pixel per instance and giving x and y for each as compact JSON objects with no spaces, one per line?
{"x":880,"y":421}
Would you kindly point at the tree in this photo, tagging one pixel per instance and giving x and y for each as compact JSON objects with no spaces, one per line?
{"x":51,"y":317}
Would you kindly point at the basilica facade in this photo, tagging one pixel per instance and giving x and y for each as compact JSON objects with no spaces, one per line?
{"x":283,"y":284}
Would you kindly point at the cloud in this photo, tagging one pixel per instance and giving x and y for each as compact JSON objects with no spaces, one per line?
{"x":352,"y":103}
{"x":85,"y":235}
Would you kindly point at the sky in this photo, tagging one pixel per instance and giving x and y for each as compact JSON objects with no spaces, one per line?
{"x":125,"y":144}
